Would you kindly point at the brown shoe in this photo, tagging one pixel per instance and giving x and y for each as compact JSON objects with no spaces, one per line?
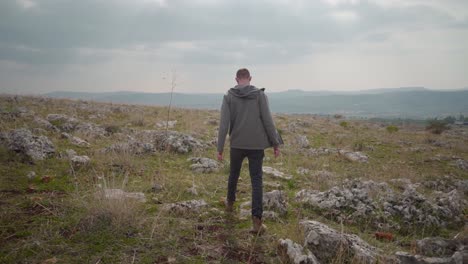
{"x":228,"y":205}
{"x":258,"y":227}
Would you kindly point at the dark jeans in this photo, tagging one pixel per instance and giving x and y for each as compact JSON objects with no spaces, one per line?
{"x":255,"y":157}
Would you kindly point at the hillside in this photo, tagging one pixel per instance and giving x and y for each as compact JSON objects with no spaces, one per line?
{"x":91,"y":182}
{"x":417,"y":103}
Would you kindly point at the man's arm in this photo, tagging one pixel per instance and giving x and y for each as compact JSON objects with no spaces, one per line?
{"x":223,"y":124}
{"x":267,"y":120}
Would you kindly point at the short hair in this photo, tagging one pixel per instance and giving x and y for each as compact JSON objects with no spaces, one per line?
{"x":243,"y":74}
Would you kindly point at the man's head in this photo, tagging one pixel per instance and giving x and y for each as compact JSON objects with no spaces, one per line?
{"x":243,"y":76}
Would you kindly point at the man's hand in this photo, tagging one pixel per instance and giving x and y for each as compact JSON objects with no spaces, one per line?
{"x":220,"y":156}
{"x":276,"y":151}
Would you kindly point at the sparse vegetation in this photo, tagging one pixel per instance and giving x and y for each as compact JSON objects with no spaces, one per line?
{"x":392,"y":129}
{"x":60,"y":211}
{"x":436,"y":126}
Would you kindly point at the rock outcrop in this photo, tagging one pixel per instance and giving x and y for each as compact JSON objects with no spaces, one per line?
{"x":327,"y":243}
{"x":24,"y":142}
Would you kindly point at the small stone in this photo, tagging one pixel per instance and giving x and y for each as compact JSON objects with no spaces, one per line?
{"x":157,"y":188}
{"x":79,"y":142}
{"x":192,"y":190}
{"x":168,"y":124}
{"x":119,"y":194}
{"x":80,"y":161}
{"x":31,"y":175}
{"x":354,"y":156}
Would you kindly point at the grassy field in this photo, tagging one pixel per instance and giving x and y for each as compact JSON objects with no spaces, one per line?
{"x":59,"y":216}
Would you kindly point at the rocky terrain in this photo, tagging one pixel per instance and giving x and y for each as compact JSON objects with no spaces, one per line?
{"x":88,"y":182}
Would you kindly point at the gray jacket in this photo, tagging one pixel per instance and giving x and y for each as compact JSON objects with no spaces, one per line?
{"x":245,"y":113}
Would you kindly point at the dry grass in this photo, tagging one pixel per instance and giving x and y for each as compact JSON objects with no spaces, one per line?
{"x":76,"y":224}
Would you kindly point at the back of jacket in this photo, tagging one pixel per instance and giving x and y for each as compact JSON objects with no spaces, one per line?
{"x":245,"y":113}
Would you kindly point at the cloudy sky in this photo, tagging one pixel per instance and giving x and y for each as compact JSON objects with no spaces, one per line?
{"x":136,"y":45}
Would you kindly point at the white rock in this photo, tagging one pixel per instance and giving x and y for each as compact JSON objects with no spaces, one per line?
{"x":276,"y":173}
{"x":119,"y":194}
{"x":296,"y":253}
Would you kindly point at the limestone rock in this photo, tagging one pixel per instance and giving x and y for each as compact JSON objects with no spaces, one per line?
{"x":80,"y":161}
{"x":321,"y":151}
{"x":170,"y":140}
{"x":79,"y":142}
{"x":44,"y":123}
{"x":119,"y":194}
{"x":275,"y":200}
{"x":302,"y":171}
{"x":276,"y":173}
{"x":354,"y":156}
{"x":462,"y":164}
{"x":203,"y":165}
{"x":31,"y":175}
{"x":326,"y":242}
{"x":90,"y":130}
{"x":169,"y":124}
{"x":23,"y":141}
{"x":63,"y":122}
{"x":301,"y":141}
{"x":192,"y":206}
{"x":295,"y":253}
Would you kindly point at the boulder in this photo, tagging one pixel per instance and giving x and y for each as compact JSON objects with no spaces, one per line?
{"x":292,"y":252}
{"x":276,"y":173}
{"x":301,"y":141}
{"x":326,"y":243}
{"x":203,"y":165}
{"x":407,"y":258}
{"x":275,"y":200}
{"x":24,"y":142}
{"x":351,"y":201}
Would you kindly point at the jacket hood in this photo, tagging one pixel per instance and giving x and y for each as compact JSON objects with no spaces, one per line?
{"x":248,"y":92}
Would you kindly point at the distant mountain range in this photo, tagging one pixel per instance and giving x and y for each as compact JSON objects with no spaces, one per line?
{"x":407,"y":102}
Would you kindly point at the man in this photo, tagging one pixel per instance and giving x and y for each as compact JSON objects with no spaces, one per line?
{"x":246,"y":115}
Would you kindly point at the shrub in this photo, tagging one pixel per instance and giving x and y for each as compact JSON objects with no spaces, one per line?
{"x":344,"y":124}
{"x":437,"y":126}
{"x":111,"y":129}
{"x":392,"y":129}
{"x":338,"y":116}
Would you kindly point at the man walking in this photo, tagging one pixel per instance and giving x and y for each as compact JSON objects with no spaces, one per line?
{"x":245,"y":113}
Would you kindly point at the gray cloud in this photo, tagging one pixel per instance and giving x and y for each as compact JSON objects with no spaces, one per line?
{"x":122,"y":43}
{"x":55,"y":31}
